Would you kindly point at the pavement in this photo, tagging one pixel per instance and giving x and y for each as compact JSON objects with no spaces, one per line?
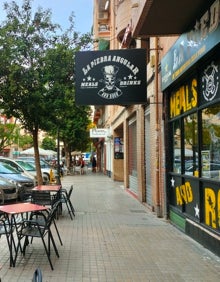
{"x":113,"y":238}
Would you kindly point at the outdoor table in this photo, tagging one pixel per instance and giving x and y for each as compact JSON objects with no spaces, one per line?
{"x":50,"y":188}
{"x":14,"y":209}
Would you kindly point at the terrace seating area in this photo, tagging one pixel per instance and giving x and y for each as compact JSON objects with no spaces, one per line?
{"x":35,"y":217}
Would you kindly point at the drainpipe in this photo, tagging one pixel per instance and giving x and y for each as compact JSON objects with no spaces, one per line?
{"x":158,"y":204}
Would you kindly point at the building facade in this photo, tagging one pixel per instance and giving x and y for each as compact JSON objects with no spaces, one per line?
{"x":166,"y":151}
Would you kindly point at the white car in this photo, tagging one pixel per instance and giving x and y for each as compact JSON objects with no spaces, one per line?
{"x":24,"y":168}
{"x":45,"y":167}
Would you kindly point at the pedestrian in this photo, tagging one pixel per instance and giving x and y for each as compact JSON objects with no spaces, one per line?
{"x":82,"y":164}
{"x":93,"y":164}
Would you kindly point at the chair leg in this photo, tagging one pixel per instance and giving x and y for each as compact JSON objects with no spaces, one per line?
{"x":58,"y":234}
{"x":53,"y":242}
{"x":47,"y":249}
{"x":71,"y":207}
{"x":26,"y":243}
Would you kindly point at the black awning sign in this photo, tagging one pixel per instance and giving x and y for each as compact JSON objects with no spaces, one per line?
{"x":111,"y":77}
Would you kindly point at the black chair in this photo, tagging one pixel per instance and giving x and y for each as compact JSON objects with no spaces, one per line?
{"x":37,"y":277}
{"x":65,"y":199}
{"x":5,"y":229}
{"x":33,"y":229}
{"x":43,"y":198}
{"x":40,"y":217}
{"x":25,"y":196}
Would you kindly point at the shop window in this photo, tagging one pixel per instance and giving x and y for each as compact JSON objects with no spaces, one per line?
{"x":210,"y":153}
{"x":190,"y":152}
{"x":177,"y":146}
{"x":185,"y":145}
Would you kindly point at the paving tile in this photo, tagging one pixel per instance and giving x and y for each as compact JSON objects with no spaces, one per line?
{"x":113,"y":238}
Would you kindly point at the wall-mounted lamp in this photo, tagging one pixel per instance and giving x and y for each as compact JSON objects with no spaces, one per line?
{"x":110,"y":137}
{"x":107,"y":5}
{"x":135,"y":5}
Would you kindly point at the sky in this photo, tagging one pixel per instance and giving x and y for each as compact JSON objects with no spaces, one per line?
{"x":61,"y":10}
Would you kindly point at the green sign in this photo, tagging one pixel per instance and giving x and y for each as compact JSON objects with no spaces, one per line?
{"x":191,"y":46}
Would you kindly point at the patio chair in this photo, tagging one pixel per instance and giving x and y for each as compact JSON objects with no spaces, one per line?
{"x":40,"y":217}
{"x":46,"y":198}
{"x":33,"y":229}
{"x":25,"y":196}
{"x":77,"y":169}
{"x":65,"y":199}
{"x":43,"y":198}
{"x":5,"y":229}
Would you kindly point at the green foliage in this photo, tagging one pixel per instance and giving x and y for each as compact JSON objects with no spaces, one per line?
{"x":25,"y":38}
{"x":8,"y":134}
{"x":70,"y":120}
{"x":25,"y":141}
{"x":37,"y":72}
{"x":48,"y":143}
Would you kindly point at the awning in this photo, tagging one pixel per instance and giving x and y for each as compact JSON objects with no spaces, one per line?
{"x":163,"y":18}
{"x":42,"y":152}
{"x":75,"y":153}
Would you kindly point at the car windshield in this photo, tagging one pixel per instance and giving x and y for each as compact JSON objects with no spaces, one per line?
{"x":7,"y":169}
{"x":32,"y":163}
{"x":26,"y":166}
{"x":42,"y":164}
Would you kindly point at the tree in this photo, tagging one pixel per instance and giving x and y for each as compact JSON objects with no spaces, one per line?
{"x":28,"y":91}
{"x":8,"y":133}
{"x":25,"y":141}
{"x":24,"y":38}
{"x":48,"y":143}
{"x":70,"y":120}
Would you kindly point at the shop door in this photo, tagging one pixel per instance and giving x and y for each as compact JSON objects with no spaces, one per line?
{"x":148,"y":158}
{"x":132,"y":156}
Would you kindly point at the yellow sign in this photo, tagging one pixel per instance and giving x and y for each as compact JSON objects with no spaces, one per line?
{"x":184,"y":99}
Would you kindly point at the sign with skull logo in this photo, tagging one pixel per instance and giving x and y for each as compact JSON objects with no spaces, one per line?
{"x":114,"y":77}
{"x":209,"y":83}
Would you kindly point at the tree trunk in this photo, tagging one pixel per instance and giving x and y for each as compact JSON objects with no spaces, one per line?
{"x":37,"y":157}
{"x":67,"y":159}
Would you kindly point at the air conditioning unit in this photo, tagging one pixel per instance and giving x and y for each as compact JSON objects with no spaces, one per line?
{"x":103,"y":15}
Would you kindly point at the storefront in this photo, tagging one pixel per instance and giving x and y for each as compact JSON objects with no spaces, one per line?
{"x":190,"y":83}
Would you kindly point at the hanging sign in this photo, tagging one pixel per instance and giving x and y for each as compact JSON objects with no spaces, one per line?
{"x":99,"y":132}
{"x":114,"y":77}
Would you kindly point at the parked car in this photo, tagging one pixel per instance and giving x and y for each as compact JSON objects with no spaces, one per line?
{"x":45,"y":166}
{"x":8,"y":190}
{"x":23,"y":167}
{"x":23,"y":183}
{"x":30,"y":168}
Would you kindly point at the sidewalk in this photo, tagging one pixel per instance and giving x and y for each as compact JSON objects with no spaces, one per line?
{"x":113,"y":238}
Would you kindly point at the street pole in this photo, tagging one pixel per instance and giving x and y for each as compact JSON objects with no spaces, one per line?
{"x":58,"y":154}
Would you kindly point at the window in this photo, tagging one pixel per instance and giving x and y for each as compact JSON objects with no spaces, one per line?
{"x":190,"y":145}
{"x":210,"y":153}
{"x":185,"y":145}
{"x":177,"y":146}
